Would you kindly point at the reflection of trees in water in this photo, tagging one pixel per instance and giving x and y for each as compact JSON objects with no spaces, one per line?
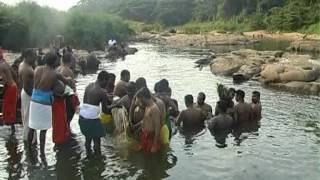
{"x":14,"y":167}
{"x":68,"y":164}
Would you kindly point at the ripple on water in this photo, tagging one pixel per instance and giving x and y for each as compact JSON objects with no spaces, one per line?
{"x":286,"y":146}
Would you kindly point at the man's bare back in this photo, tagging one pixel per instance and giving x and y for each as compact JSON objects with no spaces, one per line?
{"x":44,"y":78}
{"x":242,"y":112}
{"x":26,"y":74}
{"x":95,"y":95}
{"x":191,"y":117}
{"x":65,"y":71}
{"x":151,"y":120}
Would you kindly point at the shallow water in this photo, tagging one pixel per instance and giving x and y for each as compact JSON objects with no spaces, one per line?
{"x":286,"y":146}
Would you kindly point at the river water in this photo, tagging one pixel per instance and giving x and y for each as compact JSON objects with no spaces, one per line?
{"x":286,"y":146}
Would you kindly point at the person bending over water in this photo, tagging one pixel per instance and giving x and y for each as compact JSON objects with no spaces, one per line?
{"x":150,"y":132}
{"x":121,"y":88}
{"x":190,"y":117}
{"x":221,"y":125}
{"x":90,"y":124}
{"x":256,"y":106}
{"x":26,"y":75}
{"x":242,"y":114}
{"x":45,"y":80}
{"x":206,"y":109}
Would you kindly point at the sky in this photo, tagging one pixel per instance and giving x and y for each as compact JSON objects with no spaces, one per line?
{"x":63,"y":5}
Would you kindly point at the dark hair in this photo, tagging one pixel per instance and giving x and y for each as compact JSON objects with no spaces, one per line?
{"x":124,"y":73}
{"x":27,"y":53}
{"x":67,"y":58}
{"x":156,"y":87}
{"x":140,"y":83}
{"x":232,"y":89}
{"x":188,"y":99}
{"x":51,"y":58}
{"x":223,"y":105}
{"x":131,"y":87}
{"x":163,"y":85}
{"x":256,"y":93}
{"x":144,"y":93}
{"x":241,"y":93}
{"x":112,"y":76}
{"x":202,"y":94}
{"x":103,"y":75}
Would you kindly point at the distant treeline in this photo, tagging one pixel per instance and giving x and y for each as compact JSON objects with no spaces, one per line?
{"x":242,"y":15}
{"x":30,"y":25}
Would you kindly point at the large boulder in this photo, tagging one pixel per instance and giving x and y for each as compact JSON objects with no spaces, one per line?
{"x":226,"y":66}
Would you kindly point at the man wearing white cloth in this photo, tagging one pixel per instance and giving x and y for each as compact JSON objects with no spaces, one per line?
{"x":26,"y":76}
{"x":45,"y":80}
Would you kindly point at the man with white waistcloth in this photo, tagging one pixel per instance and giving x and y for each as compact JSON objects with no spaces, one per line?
{"x":26,"y":75}
{"x":45,"y":80}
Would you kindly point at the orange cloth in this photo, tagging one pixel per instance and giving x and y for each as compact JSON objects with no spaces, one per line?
{"x":147,"y":142}
{"x":9,"y":106}
{"x":60,"y":128}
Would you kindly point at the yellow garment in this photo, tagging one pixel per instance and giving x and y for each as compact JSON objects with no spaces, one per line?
{"x":105,"y":118}
{"x":164,"y":134}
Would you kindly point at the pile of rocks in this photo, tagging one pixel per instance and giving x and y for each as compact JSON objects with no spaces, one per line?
{"x":293,"y":72}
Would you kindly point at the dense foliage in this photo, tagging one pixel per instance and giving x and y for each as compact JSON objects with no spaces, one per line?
{"x":30,"y":25}
{"x":274,"y":15}
{"x":91,"y":22}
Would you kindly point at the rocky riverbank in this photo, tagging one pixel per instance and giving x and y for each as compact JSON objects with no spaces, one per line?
{"x":287,"y":71}
{"x":299,"y":42}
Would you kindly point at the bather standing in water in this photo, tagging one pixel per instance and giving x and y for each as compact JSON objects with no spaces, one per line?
{"x":10,"y":96}
{"x":126,"y":100}
{"x":26,"y":74}
{"x":71,"y":100}
{"x":206,"y":109}
{"x":242,"y":114}
{"x":190,"y":117}
{"x":45,"y":80}
{"x":221,"y":125}
{"x":256,"y":106}
{"x":121,"y":88}
{"x":90,"y":124}
{"x":151,"y":123}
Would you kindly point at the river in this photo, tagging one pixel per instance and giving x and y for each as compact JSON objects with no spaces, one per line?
{"x":286,"y":146}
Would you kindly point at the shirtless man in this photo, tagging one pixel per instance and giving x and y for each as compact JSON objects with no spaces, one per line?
{"x":26,"y":75}
{"x":242,"y":114}
{"x":71,"y":100}
{"x":206,"y":109}
{"x":121,"y":88}
{"x":221,"y":125}
{"x":90,"y":124}
{"x":190,"y":117}
{"x":45,"y":80}
{"x":150,"y":133}
{"x":256,"y":106}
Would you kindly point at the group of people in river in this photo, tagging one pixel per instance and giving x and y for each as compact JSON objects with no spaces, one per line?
{"x":48,"y":97}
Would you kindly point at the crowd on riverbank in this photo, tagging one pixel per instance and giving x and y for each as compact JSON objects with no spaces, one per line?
{"x":48,"y":97}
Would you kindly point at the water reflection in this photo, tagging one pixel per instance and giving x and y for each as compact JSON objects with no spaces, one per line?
{"x":68,"y":160}
{"x":15,"y":166}
{"x":152,"y":166}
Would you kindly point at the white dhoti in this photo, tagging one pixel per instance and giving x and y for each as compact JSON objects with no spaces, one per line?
{"x":120,"y":119}
{"x":40,"y":116}
{"x":25,"y":108}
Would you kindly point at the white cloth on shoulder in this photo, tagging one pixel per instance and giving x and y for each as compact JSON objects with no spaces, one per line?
{"x":89,"y":111}
{"x":40,"y":116}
